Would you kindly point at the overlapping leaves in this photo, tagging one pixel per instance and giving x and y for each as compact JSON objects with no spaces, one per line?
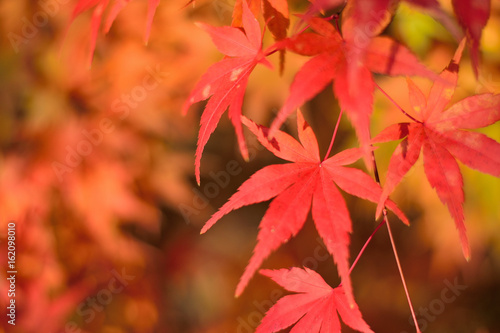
{"x":443,"y":136}
{"x":307,"y":181}
{"x":349,"y":62}
{"x":225,"y":82}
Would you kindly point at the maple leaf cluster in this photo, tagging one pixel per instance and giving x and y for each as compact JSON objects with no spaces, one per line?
{"x":345,"y":50}
{"x":347,"y":55}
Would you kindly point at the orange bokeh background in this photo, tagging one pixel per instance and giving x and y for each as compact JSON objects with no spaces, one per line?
{"x":97,"y":171}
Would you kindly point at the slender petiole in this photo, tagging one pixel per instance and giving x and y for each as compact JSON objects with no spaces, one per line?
{"x":333,"y":136}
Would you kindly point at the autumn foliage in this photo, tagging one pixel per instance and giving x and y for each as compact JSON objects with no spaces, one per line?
{"x":132,"y":157}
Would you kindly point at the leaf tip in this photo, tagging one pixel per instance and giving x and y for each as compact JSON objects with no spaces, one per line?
{"x":207,"y":226}
{"x":466,"y":251}
{"x":197,"y":175}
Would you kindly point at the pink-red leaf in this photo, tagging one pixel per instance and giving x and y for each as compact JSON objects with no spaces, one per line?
{"x":471,"y":112}
{"x":216,"y":79}
{"x":386,"y":56}
{"x":225,"y":82}
{"x":283,"y":219}
{"x":357,"y":109}
{"x":282,"y":144}
{"x":443,"y":89}
{"x":296,"y":185}
{"x":403,"y":158}
{"x":333,"y":223}
{"x":262,"y":185}
{"x":475,"y":150}
{"x":307,"y":137}
{"x":444,"y":175}
{"x":358,"y":183}
{"x":229,"y":40}
{"x":309,"y":81}
{"x":418,"y":100}
{"x":349,"y":62}
{"x":439,"y":133}
{"x":314,"y":309}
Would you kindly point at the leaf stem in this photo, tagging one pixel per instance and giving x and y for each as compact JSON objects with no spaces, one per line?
{"x":333,"y":136}
{"x":364,"y":246}
{"x":396,"y":104}
{"x":394,"y":250}
{"x":268,"y":53}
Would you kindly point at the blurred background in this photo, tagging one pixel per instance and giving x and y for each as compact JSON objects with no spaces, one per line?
{"x":97,"y":172}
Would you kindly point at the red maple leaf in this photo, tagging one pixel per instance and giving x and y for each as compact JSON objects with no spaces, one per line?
{"x":225,"y":82}
{"x":349,"y":61}
{"x":314,"y":309}
{"x":298,"y":185}
{"x":442,"y":137}
{"x":99,"y":8}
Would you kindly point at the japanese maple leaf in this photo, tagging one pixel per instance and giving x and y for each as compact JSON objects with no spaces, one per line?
{"x":225,"y":82}
{"x":313,"y":309}
{"x":298,"y":185}
{"x":99,"y":8}
{"x":443,"y":137}
{"x":349,"y":61}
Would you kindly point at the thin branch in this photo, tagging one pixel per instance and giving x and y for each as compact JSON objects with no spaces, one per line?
{"x":333,"y":136}
{"x":394,"y":250}
{"x":364,"y":246}
{"x":396,"y":104}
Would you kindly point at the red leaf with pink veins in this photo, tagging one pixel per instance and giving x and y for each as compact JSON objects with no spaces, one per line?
{"x":442,"y":136}
{"x":314,"y":308}
{"x":350,"y":64}
{"x":297,"y":186}
{"x":225,"y":82}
